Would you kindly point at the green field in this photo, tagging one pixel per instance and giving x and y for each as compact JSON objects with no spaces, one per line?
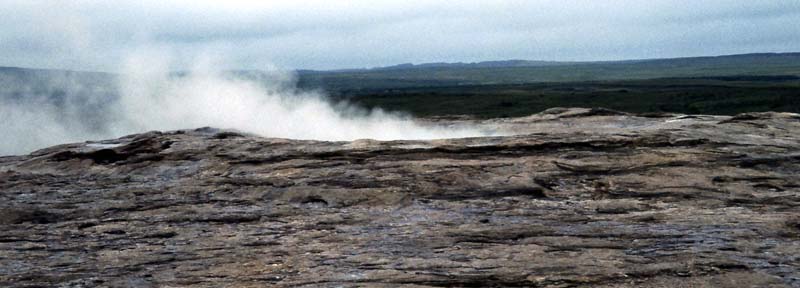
{"x":726,"y":95}
{"x":705,"y":85}
{"x":346,"y":82}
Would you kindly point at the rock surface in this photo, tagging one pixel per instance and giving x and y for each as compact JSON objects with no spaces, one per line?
{"x":582,"y":197}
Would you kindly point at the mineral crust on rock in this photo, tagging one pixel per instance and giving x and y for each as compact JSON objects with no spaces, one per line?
{"x":580,"y":197}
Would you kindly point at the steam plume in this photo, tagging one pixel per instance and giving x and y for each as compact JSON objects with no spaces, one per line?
{"x":151,"y":97}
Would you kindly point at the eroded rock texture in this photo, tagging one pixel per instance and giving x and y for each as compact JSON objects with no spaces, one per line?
{"x":582,"y":198}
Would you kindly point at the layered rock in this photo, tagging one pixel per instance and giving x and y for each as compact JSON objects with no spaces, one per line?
{"x":579,"y":197}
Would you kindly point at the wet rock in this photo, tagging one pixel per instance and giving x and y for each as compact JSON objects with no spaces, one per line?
{"x":19,"y":215}
{"x":578,"y":197}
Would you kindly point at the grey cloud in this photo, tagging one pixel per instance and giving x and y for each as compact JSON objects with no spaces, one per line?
{"x":92,"y":35}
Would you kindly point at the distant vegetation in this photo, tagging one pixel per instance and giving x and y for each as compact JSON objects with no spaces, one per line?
{"x":707,"y":85}
{"x":714,"y":95}
{"x":516,"y":72}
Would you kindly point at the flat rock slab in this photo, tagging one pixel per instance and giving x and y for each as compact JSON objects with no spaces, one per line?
{"x":580,"y":197}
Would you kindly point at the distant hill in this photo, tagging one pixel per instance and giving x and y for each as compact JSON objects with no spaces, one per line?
{"x":724,"y":59}
{"x":523,"y":71}
{"x":484,"y":64}
{"x":15,"y":82}
{"x":691,"y":85}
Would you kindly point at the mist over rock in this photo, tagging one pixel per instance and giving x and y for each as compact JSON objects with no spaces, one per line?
{"x":581,"y":197}
{"x":42,"y":108}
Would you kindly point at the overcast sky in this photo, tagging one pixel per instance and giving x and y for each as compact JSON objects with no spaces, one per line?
{"x":327,"y":34}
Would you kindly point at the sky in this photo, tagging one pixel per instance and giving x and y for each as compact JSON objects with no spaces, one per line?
{"x":327,"y":34}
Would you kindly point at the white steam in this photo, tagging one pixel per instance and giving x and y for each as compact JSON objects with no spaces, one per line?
{"x":35,"y":124}
{"x":151,"y":97}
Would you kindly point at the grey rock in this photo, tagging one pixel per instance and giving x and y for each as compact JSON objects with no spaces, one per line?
{"x":579,"y":197}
